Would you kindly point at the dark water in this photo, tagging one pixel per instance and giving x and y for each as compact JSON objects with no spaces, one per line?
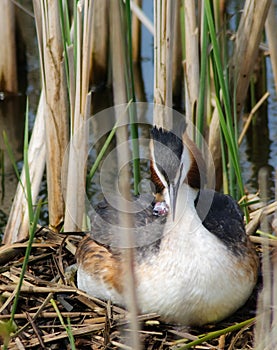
{"x":258,"y":149}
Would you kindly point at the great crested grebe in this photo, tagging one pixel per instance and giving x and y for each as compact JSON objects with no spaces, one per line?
{"x":201,"y":269}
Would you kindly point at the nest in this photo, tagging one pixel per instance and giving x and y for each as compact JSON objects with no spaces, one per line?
{"x":51,"y":308}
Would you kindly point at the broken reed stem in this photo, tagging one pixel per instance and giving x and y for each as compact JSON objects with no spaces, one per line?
{"x":18,"y":221}
{"x":49,"y":314}
{"x":142,"y":17}
{"x":251,"y":115}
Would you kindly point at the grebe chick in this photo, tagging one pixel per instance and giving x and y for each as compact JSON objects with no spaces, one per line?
{"x":200,"y":270}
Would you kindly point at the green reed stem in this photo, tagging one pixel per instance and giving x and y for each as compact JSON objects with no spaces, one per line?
{"x":65,"y":30}
{"x":67,"y":328}
{"x":218,"y":333}
{"x":202,"y":92}
{"x":226,"y":118}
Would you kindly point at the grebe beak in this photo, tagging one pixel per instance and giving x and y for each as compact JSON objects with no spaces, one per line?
{"x":173,"y":191}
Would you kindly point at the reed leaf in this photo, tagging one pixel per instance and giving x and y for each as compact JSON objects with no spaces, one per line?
{"x":26,"y":169}
{"x":132,"y":97}
{"x":226,"y":119}
{"x":202,"y":83}
{"x":65,"y":31}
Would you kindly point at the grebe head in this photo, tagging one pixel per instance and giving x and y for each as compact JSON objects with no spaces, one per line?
{"x":171,"y":163}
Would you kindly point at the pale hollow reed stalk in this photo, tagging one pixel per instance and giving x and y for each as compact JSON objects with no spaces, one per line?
{"x":56,"y":110}
{"x":163,"y":45}
{"x":81,"y":100}
{"x":119,"y":61}
{"x":191,"y":63}
{"x":271,"y":33}
{"x":248,"y":37}
{"x":100,"y":42}
{"x":8,"y":66}
{"x":265,"y":330}
{"x":17,"y":227}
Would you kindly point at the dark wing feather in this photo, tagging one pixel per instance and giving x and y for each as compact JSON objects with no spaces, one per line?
{"x":222,"y":216}
{"x":147,"y":228}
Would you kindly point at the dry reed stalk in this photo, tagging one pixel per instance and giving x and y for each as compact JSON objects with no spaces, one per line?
{"x":8,"y":65}
{"x":56,"y":102}
{"x":267,"y":210}
{"x":251,"y":115}
{"x":177,"y":57}
{"x":265,"y":309}
{"x":262,"y":240}
{"x":214,"y":165}
{"x":18,"y":223}
{"x":49,"y":314}
{"x":191,"y":64}
{"x":274,"y":277}
{"x":159,"y":48}
{"x":246,"y":47}
{"x":163,"y":44}
{"x":142,"y":17}
{"x":50,"y":338}
{"x":270,"y":27}
{"x":76,"y":172}
{"x":168,"y":49}
{"x":100,"y":42}
{"x":136,"y":34}
{"x":119,"y":61}
{"x":138,"y":17}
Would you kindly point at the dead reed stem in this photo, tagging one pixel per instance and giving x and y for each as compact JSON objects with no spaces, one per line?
{"x":18,"y":223}
{"x":271,"y":33}
{"x":100,"y":42}
{"x":56,"y":111}
{"x":251,"y":115}
{"x":163,"y":44}
{"x":76,"y":171}
{"x":119,"y":61}
{"x":215,"y":162}
{"x":263,"y":336}
{"x":247,"y":43}
{"x":191,"y":67}
{"x":8,"y":64}
{"x":136,"y":34}
{"x":177,"y":57}
{"x":142,"y":17}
